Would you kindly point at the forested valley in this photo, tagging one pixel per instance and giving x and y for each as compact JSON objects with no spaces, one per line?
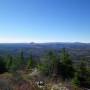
{"x":51,"y":71}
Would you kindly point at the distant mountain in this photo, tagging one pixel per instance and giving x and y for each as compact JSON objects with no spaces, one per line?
{"x":38,"y":49}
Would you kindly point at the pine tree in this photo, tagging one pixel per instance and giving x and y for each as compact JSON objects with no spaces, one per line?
{"x":2,"y":65}
{"x":83,"y":75}
{"x":9,"y":62}
{"x":67,"y":69}
{"x":76,"y":79}
{"x":30,"y":63}
{"x":65,"y":57}
{"x":49,"y":64}
{"x":21,"y":57}
{"x":21,"y":61}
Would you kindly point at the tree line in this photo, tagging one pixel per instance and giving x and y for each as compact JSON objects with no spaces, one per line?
{"x":51,"y":64}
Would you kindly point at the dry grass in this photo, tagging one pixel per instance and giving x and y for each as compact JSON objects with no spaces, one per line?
{"x":23,"y":81}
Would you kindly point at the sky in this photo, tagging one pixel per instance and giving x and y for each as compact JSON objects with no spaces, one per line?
{"x":44,"y":21}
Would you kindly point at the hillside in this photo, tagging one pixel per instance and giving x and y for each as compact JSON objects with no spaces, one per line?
{"x":45,"y":66}
{"x":77,"y":50}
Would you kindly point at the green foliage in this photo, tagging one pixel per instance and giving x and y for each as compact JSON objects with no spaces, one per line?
{"x":67,"y":70}
{"x":83,"y":76}
{"x":52,"y":66}
{"x":20,"y":61}
{"x":75,"y":80}
{"x":14,"y":66}
{"x":44,"y":69}
{"x":47,"y":67}
{"x":65,"y":57}
{"x":21,"y":58}
{"x":9,"y":62}
{"x":2,"y":65}
{"x":30,"y":63}
{"x":82,"y":67}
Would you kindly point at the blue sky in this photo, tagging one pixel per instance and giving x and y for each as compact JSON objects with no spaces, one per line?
{"x":44,"y":21}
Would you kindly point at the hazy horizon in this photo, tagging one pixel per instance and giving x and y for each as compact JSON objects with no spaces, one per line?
{"x":40,"y":21}
{"x":43,"y":42}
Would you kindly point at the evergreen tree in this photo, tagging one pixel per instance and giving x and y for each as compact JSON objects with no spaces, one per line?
{"x":49,"y":64}
{"x":21,"y":61}
{"x":83,"y":73}
{"x":21,"y":58}
{"x":82,"y":67}
{"x":76,"y":79}
{"x":67,"y":70}
{"x":65,"y":57}
{"x":2,"y":65}
{"x":83,"y":76}
{"x":12,"y":64}
{"x":30,"y":63}
{"x":9,"y":62}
